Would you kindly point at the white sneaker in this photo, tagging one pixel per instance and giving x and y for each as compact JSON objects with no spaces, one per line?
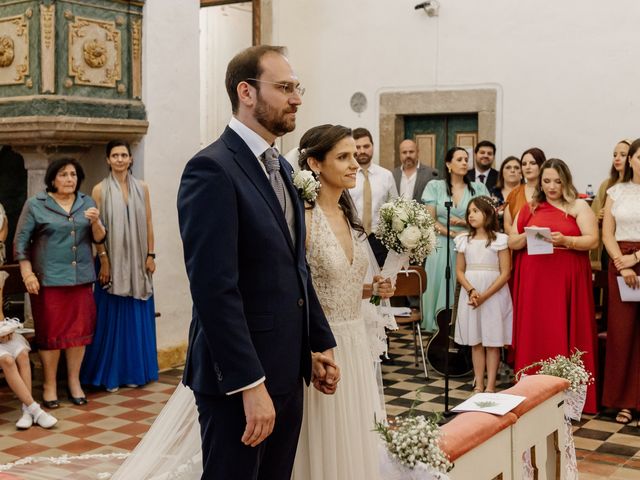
{"x":112,"y":390}
{"x":25,"y":421}
{"x":45,"y":420}
{"x":132,"y":385}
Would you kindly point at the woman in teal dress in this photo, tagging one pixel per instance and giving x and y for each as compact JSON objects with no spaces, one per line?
{"x":455,"y":187}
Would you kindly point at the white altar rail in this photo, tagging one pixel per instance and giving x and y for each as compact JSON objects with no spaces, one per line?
{"x":485,"y":447}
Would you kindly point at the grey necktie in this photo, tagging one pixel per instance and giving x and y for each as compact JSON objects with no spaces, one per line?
{"x":270,"y":159}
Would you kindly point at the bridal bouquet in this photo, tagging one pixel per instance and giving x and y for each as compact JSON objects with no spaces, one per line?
{"x":414,"y":439}
{"x":407,"y":230}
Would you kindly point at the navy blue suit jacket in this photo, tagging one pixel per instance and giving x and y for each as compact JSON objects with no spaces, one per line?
{"x":255,"y":312}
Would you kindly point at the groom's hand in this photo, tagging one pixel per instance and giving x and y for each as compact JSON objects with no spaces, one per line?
{"x":260,"y":415}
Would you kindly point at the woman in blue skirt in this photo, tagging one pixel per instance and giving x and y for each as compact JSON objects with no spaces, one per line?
{"x":123,"y":351}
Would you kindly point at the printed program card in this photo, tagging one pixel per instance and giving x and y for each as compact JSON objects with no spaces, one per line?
{"x":495,"y":403}
{"x":538,"y":240}
{"x":628,"y":294}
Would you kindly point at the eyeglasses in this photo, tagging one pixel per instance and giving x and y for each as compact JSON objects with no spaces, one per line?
{"x":287,"y":88}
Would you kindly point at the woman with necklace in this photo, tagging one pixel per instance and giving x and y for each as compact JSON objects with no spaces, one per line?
{"x":553,"y":310}
{"x":456,"y":188}
{"x":53,"y":246}
{"x":124,"y":348}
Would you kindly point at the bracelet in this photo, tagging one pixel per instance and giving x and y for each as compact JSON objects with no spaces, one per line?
{"x":102,"y":254}
{"x":470,"y":290}
{"x":152,"y":255}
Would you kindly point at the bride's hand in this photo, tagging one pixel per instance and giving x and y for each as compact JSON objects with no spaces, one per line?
{"x":326,"y":374}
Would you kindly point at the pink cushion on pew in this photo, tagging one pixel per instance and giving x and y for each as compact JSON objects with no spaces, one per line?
{"x":468,"y":430}
{"x":537,"y":389}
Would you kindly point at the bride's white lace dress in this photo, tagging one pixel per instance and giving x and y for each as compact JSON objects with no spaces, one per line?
{"x":337,"y":441}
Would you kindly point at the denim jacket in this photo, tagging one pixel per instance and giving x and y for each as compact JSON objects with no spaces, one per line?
{"x":57,"y":243}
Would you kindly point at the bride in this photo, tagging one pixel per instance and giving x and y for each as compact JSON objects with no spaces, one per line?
{"x":337,"y":440}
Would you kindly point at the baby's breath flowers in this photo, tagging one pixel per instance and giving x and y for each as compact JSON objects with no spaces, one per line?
{"x":414,"y":438}
{"x":571,"y":368}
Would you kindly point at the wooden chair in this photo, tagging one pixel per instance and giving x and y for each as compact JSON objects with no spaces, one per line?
{"x":412,"y":282}
{"x":14,"y":283}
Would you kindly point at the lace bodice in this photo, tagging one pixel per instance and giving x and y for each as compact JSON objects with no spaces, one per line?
{"x":337,"y":283}
{"x":626,"y":197}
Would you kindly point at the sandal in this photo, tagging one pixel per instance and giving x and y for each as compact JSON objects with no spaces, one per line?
{"x":624,"y":416}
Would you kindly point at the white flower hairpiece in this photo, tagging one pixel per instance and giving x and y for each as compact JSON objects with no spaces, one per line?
{"x":306,"y":184}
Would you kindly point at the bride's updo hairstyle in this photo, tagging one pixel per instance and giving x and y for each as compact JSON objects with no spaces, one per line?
{"x":316,"y":143}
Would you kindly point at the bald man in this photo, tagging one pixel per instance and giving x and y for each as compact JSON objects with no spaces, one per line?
{"x":412,"y":176}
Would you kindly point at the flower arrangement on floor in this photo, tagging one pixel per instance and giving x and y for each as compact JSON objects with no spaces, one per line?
{"x":415,"y":438}
{"x":307,"y":185}
{"x":408,"y":231}
{"x":570,"y":368}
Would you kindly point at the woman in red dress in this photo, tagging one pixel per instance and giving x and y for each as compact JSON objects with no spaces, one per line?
{"x":553,"y":298}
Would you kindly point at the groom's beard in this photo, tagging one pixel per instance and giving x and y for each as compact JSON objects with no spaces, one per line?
{"x":276,"y":122}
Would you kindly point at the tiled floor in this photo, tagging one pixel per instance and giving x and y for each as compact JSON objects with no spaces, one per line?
{"x":116,"y":422}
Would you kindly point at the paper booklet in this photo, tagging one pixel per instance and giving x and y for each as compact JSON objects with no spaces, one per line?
{"x":628,"y":294}
{"x":495,"y":403}
{"x":538,"y":240}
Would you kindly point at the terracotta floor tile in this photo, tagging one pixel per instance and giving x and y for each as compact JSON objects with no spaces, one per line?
{"x":133,"y":428}
{"x":135,"y":392}
{"x":605,"y":458}
{"x":87,"y":417}
{"x":135,"y":415}
{"x":25,"y":450}
{"x":31,"y":434}
{"x":134,"y":403}
{"x":633,"y":463}
{"x":127,"y":444}
{"x":80,"y":446}
{"x":83,"y":431}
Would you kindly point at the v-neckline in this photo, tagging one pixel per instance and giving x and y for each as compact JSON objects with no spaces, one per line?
{"x":335,"y":237}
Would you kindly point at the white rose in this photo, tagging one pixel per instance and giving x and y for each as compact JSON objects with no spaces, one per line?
{"x":410,"y":237}
{"x":397,"y":224}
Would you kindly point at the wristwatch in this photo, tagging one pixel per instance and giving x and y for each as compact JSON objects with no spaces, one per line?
{"x":152,"y":255}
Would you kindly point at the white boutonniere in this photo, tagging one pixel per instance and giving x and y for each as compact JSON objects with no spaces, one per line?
{"x":306,"y":184}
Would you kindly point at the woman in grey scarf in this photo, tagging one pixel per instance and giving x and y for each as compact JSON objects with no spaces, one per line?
{"x":124,"y":346}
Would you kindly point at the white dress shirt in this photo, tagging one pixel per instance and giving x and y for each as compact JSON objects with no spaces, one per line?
{"x":383,"y":189}
{"x":408,"y":184}
{"x":257,"y":145}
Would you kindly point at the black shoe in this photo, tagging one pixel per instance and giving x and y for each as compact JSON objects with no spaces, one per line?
{"x":387,"y":360}
{"x":50,"y":404}
{"x":76,"y":400}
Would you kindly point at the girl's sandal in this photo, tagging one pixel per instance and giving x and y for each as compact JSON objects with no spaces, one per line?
{"x":624,"y":416}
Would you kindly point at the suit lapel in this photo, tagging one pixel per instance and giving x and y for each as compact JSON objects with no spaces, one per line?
{"x":245,"y":159}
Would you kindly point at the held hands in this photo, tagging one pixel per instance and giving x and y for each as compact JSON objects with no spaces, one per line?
{"x":92,"y":214}
{"x":624,"y":261}
{"x":260,"y":415}
{"x":383,"y":287}
{"x":475,"y":298}
{"x":326,"y":373}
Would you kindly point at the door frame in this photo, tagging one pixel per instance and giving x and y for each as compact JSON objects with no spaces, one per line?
{"x":395,"y":105}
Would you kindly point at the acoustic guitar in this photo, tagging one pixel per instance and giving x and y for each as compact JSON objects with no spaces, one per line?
{"x":459,"y":355}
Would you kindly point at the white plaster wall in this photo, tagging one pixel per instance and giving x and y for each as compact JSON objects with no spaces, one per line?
{"x":224,"y":31}
{"x":171,"y":95}
{"x":566,"y":72}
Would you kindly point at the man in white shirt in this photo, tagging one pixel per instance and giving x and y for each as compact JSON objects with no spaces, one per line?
{"x":483,"y":155}
{"x":374,"y":186}
{"x":412,"y":176}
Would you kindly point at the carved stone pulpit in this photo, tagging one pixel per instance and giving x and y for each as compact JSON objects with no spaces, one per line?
{"x":70,"y":77}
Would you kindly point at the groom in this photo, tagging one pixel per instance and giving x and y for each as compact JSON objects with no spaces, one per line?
{"x":256,"y":318}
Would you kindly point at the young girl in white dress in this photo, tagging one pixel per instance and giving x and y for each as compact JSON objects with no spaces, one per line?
{"x":485,"y":311}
